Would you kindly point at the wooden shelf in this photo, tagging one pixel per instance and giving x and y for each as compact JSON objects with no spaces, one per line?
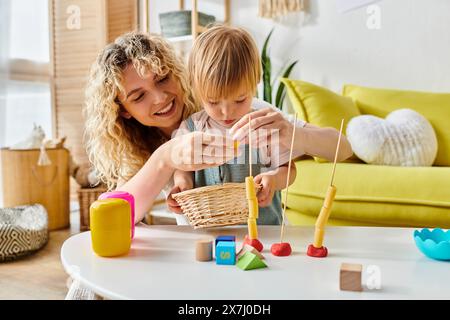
{"x":196,"y":27}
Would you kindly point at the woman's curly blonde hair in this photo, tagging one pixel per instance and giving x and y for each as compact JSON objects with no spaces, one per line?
{"x":119,"y":147}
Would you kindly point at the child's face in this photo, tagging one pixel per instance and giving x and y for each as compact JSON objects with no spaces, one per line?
{"x":227,"y":111}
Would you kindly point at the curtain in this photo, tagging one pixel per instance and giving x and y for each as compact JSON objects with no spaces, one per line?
{"x":4,"y":40}
{"x":4,"y":56}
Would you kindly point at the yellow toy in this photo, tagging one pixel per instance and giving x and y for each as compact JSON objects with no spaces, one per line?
{"x":110,"y":223}
{"x":252,"y":237}
{"x":317,"y":249}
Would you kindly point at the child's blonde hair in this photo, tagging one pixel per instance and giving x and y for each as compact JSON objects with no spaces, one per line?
{"x":222,"y":60}
{"x":119,"y":147}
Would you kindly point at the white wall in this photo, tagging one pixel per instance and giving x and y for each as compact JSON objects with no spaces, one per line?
{"x":410,"y":51}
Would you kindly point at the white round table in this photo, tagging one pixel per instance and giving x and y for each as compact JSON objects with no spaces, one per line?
{"x":161,"y":265}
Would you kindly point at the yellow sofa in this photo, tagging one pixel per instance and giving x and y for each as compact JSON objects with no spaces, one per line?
{"x":371,"y":195}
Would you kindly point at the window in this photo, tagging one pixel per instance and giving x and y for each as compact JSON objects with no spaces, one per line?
{"x":25,"y":94}
{"x":24,"y":70}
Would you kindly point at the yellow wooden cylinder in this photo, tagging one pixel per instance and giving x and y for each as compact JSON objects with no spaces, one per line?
{"x":253,"y":211}
{"x":318,"y":237}
{"x":250,"y":188}
{"x":324,"y":214}
{"x":110,"y":223}
{"x":326,"y":207}
{"x":252,"y":229}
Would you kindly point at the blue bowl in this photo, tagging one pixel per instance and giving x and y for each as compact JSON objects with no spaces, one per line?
{"x":434,"y":244}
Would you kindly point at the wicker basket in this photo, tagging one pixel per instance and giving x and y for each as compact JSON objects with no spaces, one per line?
{"x":214,"y":206}
{"x":86,"y":196}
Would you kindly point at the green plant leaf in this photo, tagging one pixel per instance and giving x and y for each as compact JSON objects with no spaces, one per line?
{"x":266,"y":80}
{"x":264,"y":49}
{"x":281,"y":87}
{"x":267,"y":69}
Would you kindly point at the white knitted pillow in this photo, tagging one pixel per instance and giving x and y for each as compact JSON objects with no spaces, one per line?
{"x":404,"y":138}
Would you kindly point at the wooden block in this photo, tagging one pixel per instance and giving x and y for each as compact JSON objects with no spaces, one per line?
{"x":248,"y":248}
{"x":226,"y":252}
{"x":204,"y":250}
{"x":350,"y":277}
{"x":225,"y":238}
{"x":250,"y":261}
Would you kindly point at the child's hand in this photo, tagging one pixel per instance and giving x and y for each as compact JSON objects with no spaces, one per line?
{"x":183,"y":181}
{"x":267,"y":182}
{"x":171,"y":203}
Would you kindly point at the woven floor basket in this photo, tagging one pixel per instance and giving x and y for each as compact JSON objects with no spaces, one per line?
{"x":214,"y":206}
{"x":86,"y":196}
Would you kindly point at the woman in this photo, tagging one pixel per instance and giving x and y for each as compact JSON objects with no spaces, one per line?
{"x":137,"y":96}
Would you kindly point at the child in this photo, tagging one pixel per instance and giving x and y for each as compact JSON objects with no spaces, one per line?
{"x":224,"y":69}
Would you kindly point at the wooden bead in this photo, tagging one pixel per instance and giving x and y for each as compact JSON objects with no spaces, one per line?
{"x":204,"y":250}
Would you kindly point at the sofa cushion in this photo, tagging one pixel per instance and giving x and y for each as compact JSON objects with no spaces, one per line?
{"x":404,"y":138}
{"x":383,"y":195}
{"x":318,"y":105}
{"x":433,"y":106}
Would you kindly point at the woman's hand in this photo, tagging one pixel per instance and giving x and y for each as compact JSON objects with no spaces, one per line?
{"x":268,"y":119}
{"x":198,"y":150}
{"x":310,"y":139}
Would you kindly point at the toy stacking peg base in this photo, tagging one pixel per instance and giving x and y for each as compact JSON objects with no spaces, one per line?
{"x":321,"y":252}
{"x":255,"y":243}
{"x":282,"y":249}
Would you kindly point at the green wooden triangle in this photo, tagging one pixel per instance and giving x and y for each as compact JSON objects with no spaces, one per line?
{"x":250,"y":261}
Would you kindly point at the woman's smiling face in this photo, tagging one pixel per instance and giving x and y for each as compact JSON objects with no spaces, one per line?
{"x":154,"y":101}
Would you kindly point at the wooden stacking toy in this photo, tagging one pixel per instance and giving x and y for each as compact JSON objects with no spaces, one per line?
{"x":225,"y":238}
{"x":204,"y":250}
{"x":252,"y":237}
{"x":250,"y":261}
{"x":226,"y":252}
{"x":125,"y":196}
{"x":317,"y":250}
{"x":247,"y":248}
{"x":350,"y":277}
{"x":110,"y":225}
